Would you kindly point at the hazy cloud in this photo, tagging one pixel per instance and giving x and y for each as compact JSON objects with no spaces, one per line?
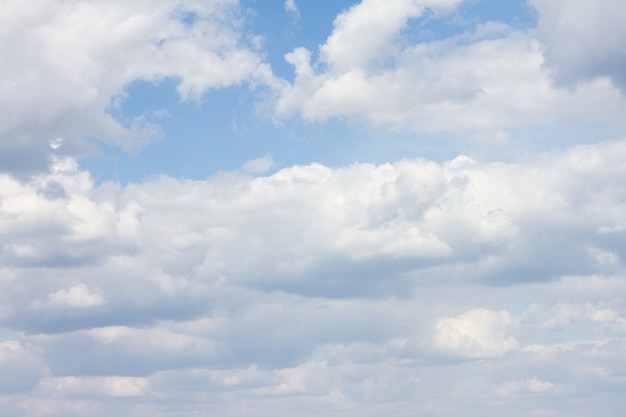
{"x":259,"y":165}
{"x":292,"y":7}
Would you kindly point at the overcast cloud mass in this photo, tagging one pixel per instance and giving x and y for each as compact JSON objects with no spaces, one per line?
{"x":404,"y":208}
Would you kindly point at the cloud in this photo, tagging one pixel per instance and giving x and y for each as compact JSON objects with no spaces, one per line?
{"x":82,"y":56}
{"x":532,"y":385}
{"x":564,"y":314}
{"x":317,"y":288}
{"x":582,"y":40}
{"x":20,"y":366}
{"x":117,"y":387}
{"x":259,"y":165}
{"x":364,"y":32}
{"x":489,"y":81}
{"x":292,"y":7}
{"x":78,"y":296}
{"x":358,"y":290}
{"x":476,"y":334}
{"x":305,"y":228}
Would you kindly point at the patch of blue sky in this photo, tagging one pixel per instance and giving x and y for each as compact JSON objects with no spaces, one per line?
{"x":187,"y":17}
{"x":515,"y":13}
{"x":198,"y":138}
{"x":219,"y":134}
{"x":224,"y":131}
{"x":429,"y":27}
{"x":283,"y":31}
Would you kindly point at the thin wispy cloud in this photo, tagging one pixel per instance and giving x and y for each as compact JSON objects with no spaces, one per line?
{"x":292,"y":7}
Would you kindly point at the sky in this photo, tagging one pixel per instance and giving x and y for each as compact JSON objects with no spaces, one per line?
{"x":301,"y":208}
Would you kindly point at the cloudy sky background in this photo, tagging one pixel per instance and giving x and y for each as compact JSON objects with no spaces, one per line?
{"x":299,"y":208}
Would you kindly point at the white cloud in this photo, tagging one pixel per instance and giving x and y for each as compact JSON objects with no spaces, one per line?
{"x":316,"y":288}
{"x":532,"y":385}
{"x":489,"y":82}
{"x":81,"y":56}
{"x":476,"y":334}
{"x":305,"y":220}
{"x":365,"y":32}
{"x":292,"y":7}
{"x":259,"y":165}
{"x":117,"y":387}
{"x":361,"y":290}
{"x":563,"y":314}
{"x":78,"y":296}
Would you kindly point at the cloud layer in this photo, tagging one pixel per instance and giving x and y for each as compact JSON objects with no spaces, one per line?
{"x":582,"y":40}
{"x":318,"y":288}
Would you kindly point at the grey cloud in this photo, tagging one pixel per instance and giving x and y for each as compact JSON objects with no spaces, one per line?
{"x":583,"y":40}
{"x":20,"y":367}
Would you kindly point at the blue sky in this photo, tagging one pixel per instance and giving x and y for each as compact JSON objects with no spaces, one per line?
{"x":296,"y":208}
{"x":224,"y":130}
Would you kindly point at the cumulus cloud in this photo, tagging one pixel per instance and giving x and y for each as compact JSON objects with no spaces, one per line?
{"x":295,"y":229}
{"x":315,"y":287}
{"x":488,"y":81}
{"x":359,"y":290}
{"x":78,"y":296}
{"x":364,"y":32}
{"x":476,"y":334}
{"x":67,"y":65}
{"x":564,"y":314}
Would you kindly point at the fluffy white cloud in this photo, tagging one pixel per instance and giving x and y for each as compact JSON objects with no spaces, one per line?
{"x":66,"y":65}
{"x":365,"y":33}
{"x":476,"y":334}
{"x":315,"y":287}
{"x":361,"y":290}
{"x":297,"y":228}
{"x":78,"y":296}
{"x":490,"y":81}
